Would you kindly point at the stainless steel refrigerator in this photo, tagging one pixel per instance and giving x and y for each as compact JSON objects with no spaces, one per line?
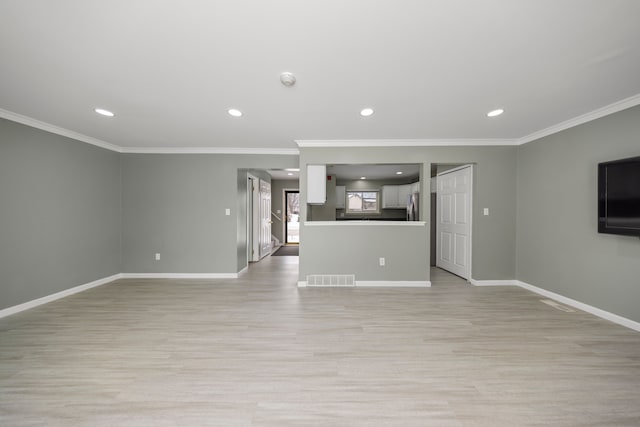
{"x":413,"y":207}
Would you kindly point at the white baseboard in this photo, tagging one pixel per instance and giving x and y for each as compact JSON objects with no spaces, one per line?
{"x":180,"y":275}
{"x":246,"y":268}
{"x":475,"y":282}
{"x":562,"y":299}
{"x":377,"y":283}
{"x":394,"y":283}
{"x":36,"y":302}
{"x":582,"y":306}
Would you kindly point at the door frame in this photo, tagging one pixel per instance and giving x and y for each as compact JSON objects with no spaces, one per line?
{"x":253,"y":218}
{"x":265,"y":245}
{"x":471,"y":209}
{"x":284,"y":210}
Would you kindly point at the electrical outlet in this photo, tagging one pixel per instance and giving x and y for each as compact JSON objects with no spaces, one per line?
{"x":157,"y":257}
{"x":382,"y":261}
{"x":227,"y":211}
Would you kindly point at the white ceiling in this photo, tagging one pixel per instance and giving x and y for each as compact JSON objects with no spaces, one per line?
{"x":374,"y":172}
{"x":431,"y":69}
{"x":285,"y":174}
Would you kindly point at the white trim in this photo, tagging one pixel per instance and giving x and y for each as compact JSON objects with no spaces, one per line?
{"x":180,"y":275}
{"x":475,"y":282}
{"x":210,"y":150}
{"x":302,"y":283}
{"x":373,"y":222}
{"x":244,"y":270}
{"x":284,"y":211}
{"x":394,"y":283}
{"x":614,"y":107}
{"x":34,"y":123}
{"x":252,"y":221}
{"x":338,"y":143}
{"x":582,"y":306}
{"x":471,"y":190}
{"x":456,"y":169}
{"x":36,"y":302}
{"x":19,"y":118}
{"x":623,"y":104}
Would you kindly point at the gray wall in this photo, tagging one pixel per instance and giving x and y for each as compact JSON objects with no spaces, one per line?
{"x":558,"y":246}
{"x":277,"y":203}
{"x":60,"y":213}
{"x":72,"y":213}
{"x":174,"y":204}
{"x":494,"y":188}
{"x":345,"y":248}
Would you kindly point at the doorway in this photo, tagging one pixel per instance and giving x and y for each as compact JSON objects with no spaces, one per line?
{"x":265,"y":218}
{"x":292,"y":216}
{"x":258,"y":218}
{"x":454,"y":207}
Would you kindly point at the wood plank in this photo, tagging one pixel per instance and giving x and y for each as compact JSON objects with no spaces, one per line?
{"x":260,"y":351}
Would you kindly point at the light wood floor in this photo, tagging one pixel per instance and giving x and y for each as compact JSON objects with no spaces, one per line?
{"x":260,"y":351}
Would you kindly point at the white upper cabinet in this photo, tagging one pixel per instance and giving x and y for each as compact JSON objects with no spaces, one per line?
{"x":389,"y":196}
{"x":316,"y":184}
{"x":397,"y":196}
{"x":403,"y":195}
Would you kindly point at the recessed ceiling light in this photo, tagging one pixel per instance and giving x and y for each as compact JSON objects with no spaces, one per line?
{"x":495,"y":113}
{"x":104,"y":112}
{"x":399,"y":173}
{"x":234,"y":112}
{"x":290,"y":173}
{"x":366,"y":112}
{"x":363,"y":177}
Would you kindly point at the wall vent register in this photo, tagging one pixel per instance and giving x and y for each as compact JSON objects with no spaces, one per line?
{"x":331,"y":280}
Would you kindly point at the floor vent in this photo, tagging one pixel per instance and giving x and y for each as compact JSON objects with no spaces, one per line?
{"x":331,"y":280}
{"x":558,"y":306}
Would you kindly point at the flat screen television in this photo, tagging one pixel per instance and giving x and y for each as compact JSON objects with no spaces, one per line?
{"x":619,"y":197}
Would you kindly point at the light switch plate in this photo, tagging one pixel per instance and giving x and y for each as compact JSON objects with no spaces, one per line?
{"x":486,"y":211}
{"x":227,"y":211}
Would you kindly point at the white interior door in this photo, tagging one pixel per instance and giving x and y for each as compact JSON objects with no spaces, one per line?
{"x":265,"y":218}
{"x":453,"y":221}
{"x":253,"y":219}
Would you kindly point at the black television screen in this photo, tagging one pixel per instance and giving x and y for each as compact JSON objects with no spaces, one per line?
{"x":619,"y":197}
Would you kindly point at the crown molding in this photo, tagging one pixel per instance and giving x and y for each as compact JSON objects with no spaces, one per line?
{"x":210,"y":150}
{"x":19,"y":118}
{"x":615,"y":107}
{"x":336,"y":143}
{"x":623,"y":104}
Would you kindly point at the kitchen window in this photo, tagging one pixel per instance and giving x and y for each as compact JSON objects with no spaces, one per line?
{"x":363,"y":202}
